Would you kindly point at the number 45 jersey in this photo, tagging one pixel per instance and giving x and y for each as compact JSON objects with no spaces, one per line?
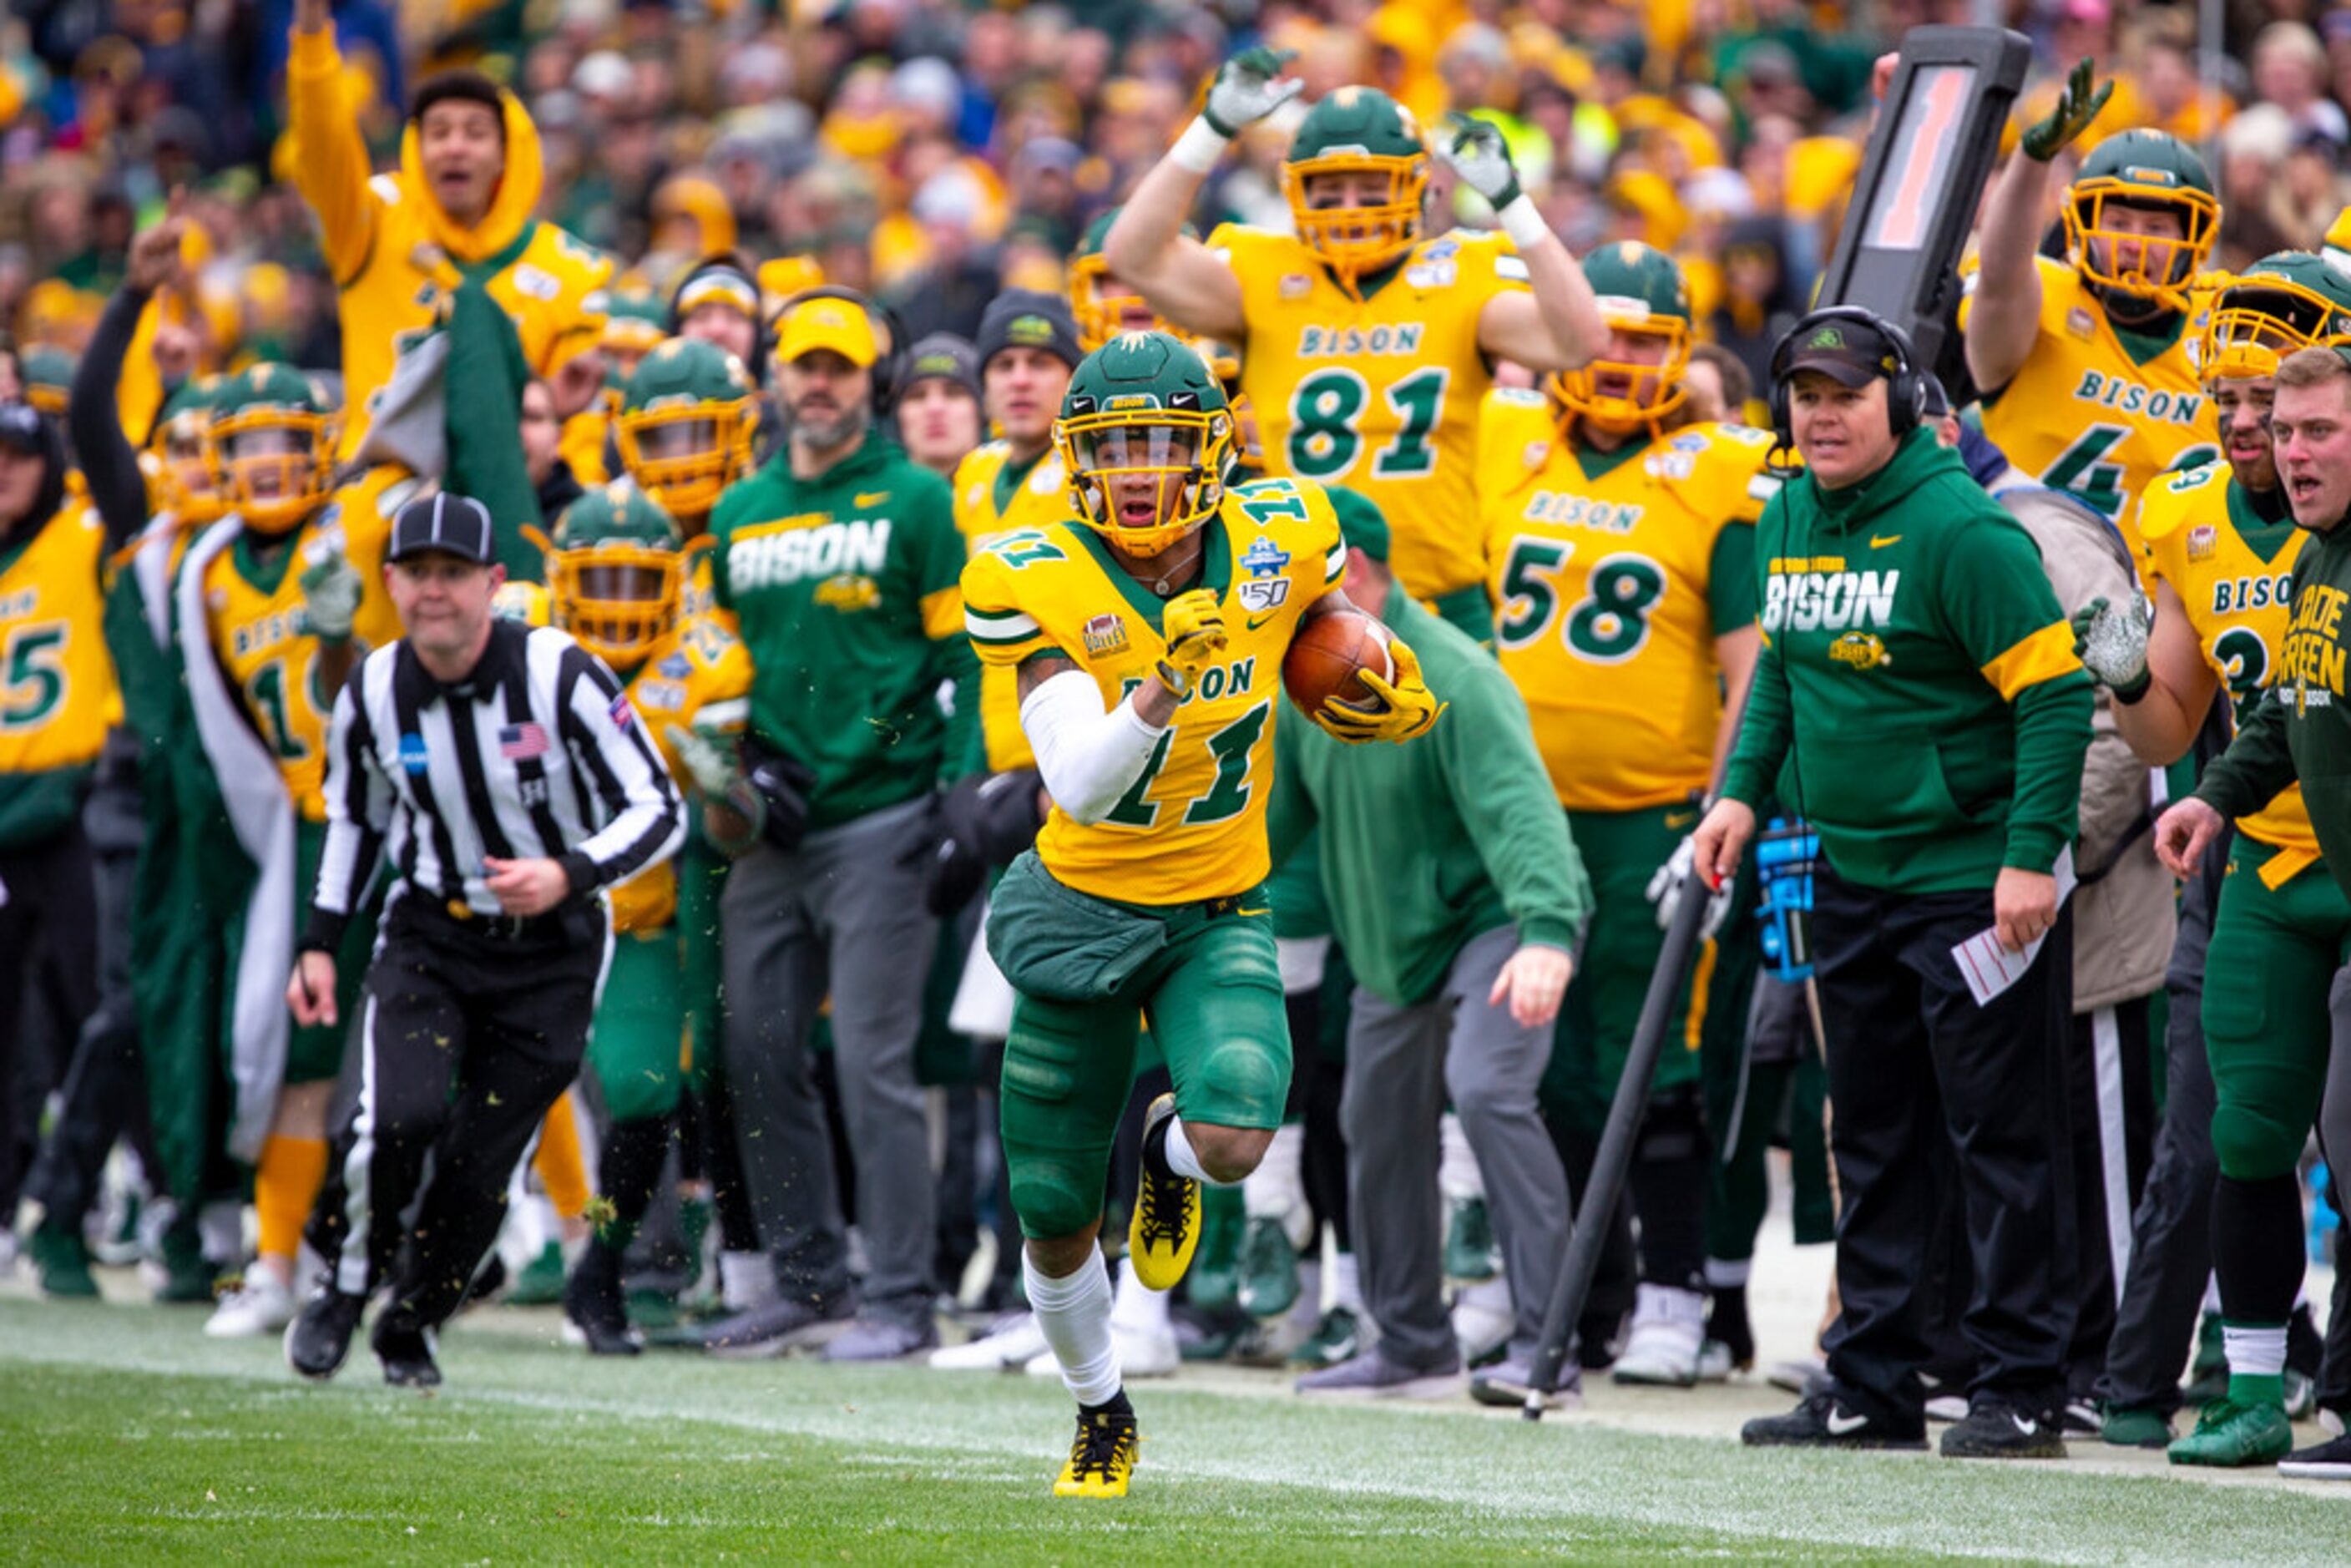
{"x":1612,"y":575}
{"x":1378,"y":395}
{"x":1192,"y":828}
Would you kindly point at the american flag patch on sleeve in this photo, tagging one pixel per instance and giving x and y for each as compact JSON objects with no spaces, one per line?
{"x":622,"y":714}
{"x":520,"y":742}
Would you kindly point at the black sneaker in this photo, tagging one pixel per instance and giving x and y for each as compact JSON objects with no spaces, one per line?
{"x":1727,"y":1322}
{"x":1827,"y":1421}
{"x":595,"y":1310}
{"x":319,"y":1337}
{"x":2327,"y":1461}
{"x":2001,"y":1428}
{"x":758,"y":1333}
{"x":405,"y":1348}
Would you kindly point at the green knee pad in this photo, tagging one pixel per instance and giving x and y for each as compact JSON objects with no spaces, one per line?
{"x":1067,"y":1069}
{"x":2251,"y":1145}
{"x":1056,"y":1192}
{"x":2267,"y":1029}
{"x":636,"y":1040}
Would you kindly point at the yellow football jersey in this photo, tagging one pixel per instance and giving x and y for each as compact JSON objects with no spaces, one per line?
{"x":261,"y":629}
{"x":2085,"y":415}
{"x":1601,"y":571}
{"x":1193,"y":826}
{"x":1039,"y":498}
{"x":699,"y":674}
{"x":2231,"y":568}
{"x":1380,"y":395}
{"x":57,"y":684}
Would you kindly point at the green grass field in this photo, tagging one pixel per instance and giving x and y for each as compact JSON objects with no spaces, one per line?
{"x":129,"y":1437}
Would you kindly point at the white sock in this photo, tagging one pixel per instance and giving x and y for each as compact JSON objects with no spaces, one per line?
{"x":1347,"y":1283}
{"x":1138,"y":1307}
{"x":2255,"y":1351}
{"x":1183,"y":1161}
{"x":2212,"y":1293}
{"x":1074,"y":1315}
{"x":1308,"y":1311}
{"x":1457,"y":1175}
{"x":1277,"y":1188}
{"x":745,"y":1279}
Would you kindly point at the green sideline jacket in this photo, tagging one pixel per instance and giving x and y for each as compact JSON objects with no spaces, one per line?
{"x":1917,"y":696}
{"x":1437,"y":841}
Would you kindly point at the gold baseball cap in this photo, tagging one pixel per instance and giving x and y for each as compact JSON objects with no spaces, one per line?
{"x":835,"y":324}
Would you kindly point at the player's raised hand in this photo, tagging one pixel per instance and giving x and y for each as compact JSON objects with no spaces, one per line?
{"x":331,"y":587}
{"x":2078,"y":103}
{"x":154,"y":258}
{"x":1247,"y":88}
{"x":1474,"y":150}
{"x":1194,"y":625}
{"x":2111,"y":642}
{"x":1406,"y":706}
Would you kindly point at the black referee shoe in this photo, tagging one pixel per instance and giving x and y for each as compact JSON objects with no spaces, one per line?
{"x":596,"y":1309}
{"x":319,"y":1337}
{"x":1827,"y":1421}
{"x":2000,"y":1428}
{"x":405,"y":1348}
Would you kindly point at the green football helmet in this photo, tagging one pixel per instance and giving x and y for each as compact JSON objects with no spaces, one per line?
{"x":635,"y":319}
{"x":273,"y":446}
{"x":1644,"y":298}
{"x":615,"y":572}
{"x":2145,"y":170}
{"x":2280,"y":303}
{"x":1145,"y":406}
{"x":49,"y":374}
{"x":1358,"y":131}
{"x":178,"y":458}
{"x":684,"y":425}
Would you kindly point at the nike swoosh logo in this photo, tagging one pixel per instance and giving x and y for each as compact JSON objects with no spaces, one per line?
{"x":1267,"y":910}
{"x":1676,"y":820}
{"x":1255,"y":621}
{"x":1873,"y":544}
{"x":873,"y":497}
{"x":2029,"y":1429}
{"x":1841,"y":1423}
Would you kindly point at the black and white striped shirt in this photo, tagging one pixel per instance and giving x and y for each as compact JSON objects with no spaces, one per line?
{"x":535,"y":753}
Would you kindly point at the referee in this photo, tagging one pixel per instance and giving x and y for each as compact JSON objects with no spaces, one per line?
{"x":501,"y":772}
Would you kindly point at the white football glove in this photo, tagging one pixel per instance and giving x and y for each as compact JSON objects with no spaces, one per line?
{"x":1673,"y":878}
{"x":1247,"y":88}
{"x":2111,"y":642}
{"x":331,"y":587}
{"x":1475,"y":150}
{"x":708,"y":756}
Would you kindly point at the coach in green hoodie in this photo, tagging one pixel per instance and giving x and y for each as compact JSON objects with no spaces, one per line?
{"x":1919,"y":701}
{"x":1457,"y":895}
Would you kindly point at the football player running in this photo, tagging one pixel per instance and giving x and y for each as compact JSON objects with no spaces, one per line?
{"x":1149,"y":631}
{"x":1366,"y":341}
{"x":2084,"y":364}
{"x":1621,"y":545}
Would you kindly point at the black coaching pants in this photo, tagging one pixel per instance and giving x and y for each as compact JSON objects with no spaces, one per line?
{"x":1913,"y":1061}
{"x":471,"y":1030}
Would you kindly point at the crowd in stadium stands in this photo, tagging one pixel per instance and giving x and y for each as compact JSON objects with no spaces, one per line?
{"x":639,"y":275}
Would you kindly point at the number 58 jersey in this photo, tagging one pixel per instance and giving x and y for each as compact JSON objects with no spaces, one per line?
{"x":1192,"y":827}
{"x":1378,"y":395}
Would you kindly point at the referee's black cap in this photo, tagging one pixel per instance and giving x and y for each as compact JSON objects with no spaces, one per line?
{"x":455,"y":525}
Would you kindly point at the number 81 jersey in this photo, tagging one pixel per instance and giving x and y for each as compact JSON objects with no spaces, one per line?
{"x":1611,"y":575}
{"x":1192,"y":828}
{"x":1379,"y":395}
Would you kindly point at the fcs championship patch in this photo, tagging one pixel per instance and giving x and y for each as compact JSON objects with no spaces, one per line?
{"x":2203,"y":542}
{"x":1105,"y":634}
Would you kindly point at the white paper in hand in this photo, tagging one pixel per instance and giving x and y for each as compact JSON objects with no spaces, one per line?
{"x":1990,"y":969}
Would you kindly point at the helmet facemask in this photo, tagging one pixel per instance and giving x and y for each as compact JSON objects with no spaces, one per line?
{"x":2160,"y":268}
{"x":616,"y":597}
{"x":682,"y":454}
{"x":1109,"y":455}
{"x":1628,"y":392}
{"x":1356,"y":240}
{"x":271,"y":465}
{"x":2255,"y":324}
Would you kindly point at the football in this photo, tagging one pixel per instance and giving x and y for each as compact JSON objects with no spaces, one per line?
{"x":1327,"y":656}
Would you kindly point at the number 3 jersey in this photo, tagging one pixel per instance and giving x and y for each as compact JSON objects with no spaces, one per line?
{"x":1612,"y":575}
{"x":1380,"y":394}
{"x":2231,"y":568}
{"x":1192,"y":828}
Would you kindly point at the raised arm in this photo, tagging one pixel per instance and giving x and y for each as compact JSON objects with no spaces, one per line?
{"x":2004,"y":312}
{"x":333,"y":171}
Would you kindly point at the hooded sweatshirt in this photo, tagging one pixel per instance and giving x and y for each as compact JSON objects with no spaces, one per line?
{"x":1917,"y":697}
{"x":380,"y":232}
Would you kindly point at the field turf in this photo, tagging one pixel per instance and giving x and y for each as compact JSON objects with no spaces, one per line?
{"x":126,"y":1436}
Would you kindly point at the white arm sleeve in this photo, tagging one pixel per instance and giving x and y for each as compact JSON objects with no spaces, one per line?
{"x":1089,"y":757}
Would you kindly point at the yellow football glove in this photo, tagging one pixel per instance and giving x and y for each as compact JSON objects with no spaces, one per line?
{"x":1194,"y":625}
{"x":1407,"y":706}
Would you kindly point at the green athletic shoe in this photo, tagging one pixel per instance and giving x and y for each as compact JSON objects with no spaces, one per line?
{"x":1470,"y":1254}
{"x":188,"y":1275}
{"x":540,"y":1283}
{"x":2135,"y":1427}
{"x":1214,"y":1280}
{"x":2230,"y":1435}
{"x":62,"y":1258}
{"x":1269,"y":1284}
{"x":1338,"y":1337}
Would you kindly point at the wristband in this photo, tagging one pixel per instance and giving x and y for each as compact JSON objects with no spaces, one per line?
{"x":2131,"y":698}
{"x":1199,"y":148}
{"x":1523,"y":223}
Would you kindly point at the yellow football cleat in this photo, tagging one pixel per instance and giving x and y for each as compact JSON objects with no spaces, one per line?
{"x":1166,"y":1226}
{"x":1102,"y":1458}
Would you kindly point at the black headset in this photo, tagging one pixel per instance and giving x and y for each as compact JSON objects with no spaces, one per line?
{"x":886,"y":369}
{"x":1906,"y":388}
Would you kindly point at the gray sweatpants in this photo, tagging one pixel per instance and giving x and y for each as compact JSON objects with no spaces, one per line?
{"x":1403,"y":1063}
{"x":841,"y":914}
